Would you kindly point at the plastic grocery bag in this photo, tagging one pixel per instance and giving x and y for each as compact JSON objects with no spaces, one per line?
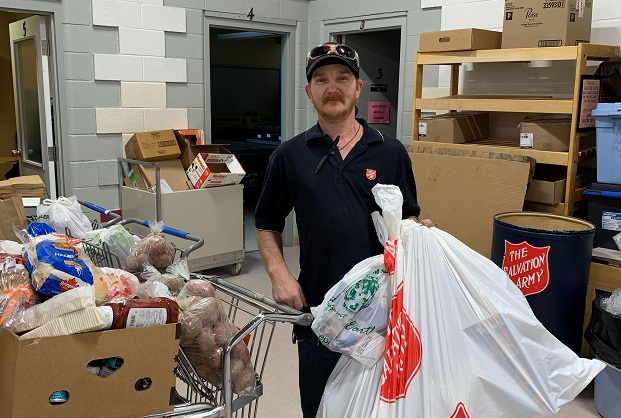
{"x":57,"y":263}
{"x":463,"y":341}
{"x":353,"y":316}
{"x":64,"y":213}
{"x":352,"y":390}
{"x":353,"y":387}
{"x":118,"y":239}
{"x":152,"y":249}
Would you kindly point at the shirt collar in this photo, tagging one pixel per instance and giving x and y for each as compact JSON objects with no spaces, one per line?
{"x":370,"y":135}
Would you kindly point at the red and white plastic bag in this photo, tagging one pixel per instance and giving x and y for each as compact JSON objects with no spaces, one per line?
{"x":463,"y":341}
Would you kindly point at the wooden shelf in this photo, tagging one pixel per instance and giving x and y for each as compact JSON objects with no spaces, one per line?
{"x":563,"y":53}
{"x":512,"y":146}
{"x":487,"y":104}
{"x":515,"y":104}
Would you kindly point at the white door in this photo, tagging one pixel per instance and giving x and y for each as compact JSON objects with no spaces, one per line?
{"x":33,"y":105}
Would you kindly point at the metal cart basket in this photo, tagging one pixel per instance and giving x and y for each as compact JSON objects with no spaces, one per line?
{"x":255,"y":315}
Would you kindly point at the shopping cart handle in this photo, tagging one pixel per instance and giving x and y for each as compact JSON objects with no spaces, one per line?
{"x":96,"y":208}
{"x":167,"y":230}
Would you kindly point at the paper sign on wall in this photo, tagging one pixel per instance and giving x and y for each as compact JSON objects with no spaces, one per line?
{"x":379,"y":112}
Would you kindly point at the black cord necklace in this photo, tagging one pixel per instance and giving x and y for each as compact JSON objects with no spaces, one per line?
{"x":352,"y":138}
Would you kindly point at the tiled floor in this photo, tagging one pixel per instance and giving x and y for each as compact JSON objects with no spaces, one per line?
{"x":281,"y":398}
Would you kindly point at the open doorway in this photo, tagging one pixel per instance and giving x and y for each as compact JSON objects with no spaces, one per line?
{"x":380,"y":42}
{"x":27,"y":144}
{"x":249,"y":98}
{"x":379,"y":69}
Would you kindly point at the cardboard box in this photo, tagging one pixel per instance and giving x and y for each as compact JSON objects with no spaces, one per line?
{"x":476,"y":185}
{"x":172,"y":177}
{"x":459,"y":40}
{"x":33,"y":369}
{"x":544,"y":23}
{"x":193,"y":136}
{"x":549,"y":181}
{"x":456,"y":127}
{"x":153,"y":146}
{"x":547,"y":133}
{"x":209,"y":170}
{"x":189,"y":152}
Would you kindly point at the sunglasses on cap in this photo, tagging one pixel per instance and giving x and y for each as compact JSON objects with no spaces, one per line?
{"x":333,"y":52}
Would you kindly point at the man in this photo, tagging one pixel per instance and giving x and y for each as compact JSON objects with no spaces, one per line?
{"x":326,"y":174}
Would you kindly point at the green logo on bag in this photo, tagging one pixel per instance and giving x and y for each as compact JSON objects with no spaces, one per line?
{"x":359,"y":295}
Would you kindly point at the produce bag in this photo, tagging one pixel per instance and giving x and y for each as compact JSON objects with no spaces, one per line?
{"x":463,"y":341}
{"x":205,"y":333}
{"x":64,"y":214}
{"x":119,"y":241}
{"x":152,"y":249}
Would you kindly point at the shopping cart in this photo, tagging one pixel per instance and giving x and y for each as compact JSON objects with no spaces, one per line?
{"x":254,"y":314}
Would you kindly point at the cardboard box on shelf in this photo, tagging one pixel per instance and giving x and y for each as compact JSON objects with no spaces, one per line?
{"x":548,"y":183}
{"x":456,"y":127}
{"x":459,"y":40}
{"x":546,"y":132}
{"x":544,"y":23}
{"x":153,"y":146}
{"x":210,"y":169}
{"x":33,"y":369}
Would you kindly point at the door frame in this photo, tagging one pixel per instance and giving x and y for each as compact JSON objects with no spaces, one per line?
{"x":372,"y":23}
{"x":53,"y":9}
{"x":284,"y":27}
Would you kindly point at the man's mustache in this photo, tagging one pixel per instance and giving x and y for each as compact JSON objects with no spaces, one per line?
{"x":333,"y":96}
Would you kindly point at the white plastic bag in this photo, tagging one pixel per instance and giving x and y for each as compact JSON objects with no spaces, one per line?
{"x":463,"y":341}
{"x":64,"y":213}
{"x":352,"y":390}
{"x":353,"y":316}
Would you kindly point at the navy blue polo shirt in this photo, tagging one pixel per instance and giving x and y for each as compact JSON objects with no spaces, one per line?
{"x":333,"y":207}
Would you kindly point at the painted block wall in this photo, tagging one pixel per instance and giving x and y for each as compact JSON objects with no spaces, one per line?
{"x":138,"y":64}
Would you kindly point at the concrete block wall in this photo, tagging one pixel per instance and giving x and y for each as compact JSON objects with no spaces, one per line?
{"x":131,"y":65}
{"x":138,"y":64}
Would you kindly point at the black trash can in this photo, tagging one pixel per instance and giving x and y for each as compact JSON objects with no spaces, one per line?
{"x":604,"y":336}
{"x":548,"y":257}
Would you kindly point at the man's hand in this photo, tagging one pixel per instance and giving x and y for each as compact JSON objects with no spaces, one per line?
{"x":286,"y":290}
{"x":427,"y":222}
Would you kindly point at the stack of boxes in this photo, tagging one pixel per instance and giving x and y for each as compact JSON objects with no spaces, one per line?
{"x":184,"y":164}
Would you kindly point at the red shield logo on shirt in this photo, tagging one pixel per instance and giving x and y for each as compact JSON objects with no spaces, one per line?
{"x":527,"y":266}
{"x":403,"y":353}
{"x":460,"y":412}
{"x":371,"y":174}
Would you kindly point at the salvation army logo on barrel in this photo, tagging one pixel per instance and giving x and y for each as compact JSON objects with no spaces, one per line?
{"x":527,"y":266}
